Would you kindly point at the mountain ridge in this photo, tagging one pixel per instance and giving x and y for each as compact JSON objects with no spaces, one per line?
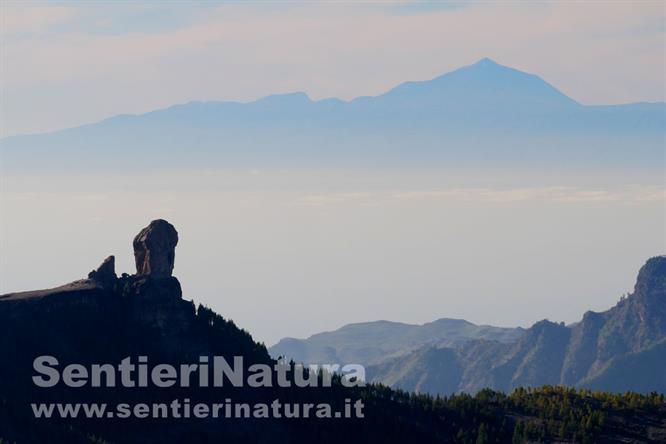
{"x":371,"y":342}
{"x":482,"y":115}
{"x":593,"y":353}
{"x":304,"y":95}
{"x":488,"y":76}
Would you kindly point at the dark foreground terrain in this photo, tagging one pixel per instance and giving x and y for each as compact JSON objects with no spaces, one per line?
{"x":105,"y":318}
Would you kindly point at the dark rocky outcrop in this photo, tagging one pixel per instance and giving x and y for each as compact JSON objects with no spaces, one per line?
{"x":106,"y":272}
{"x":104,"y":319}
{"x":155,"y":249}
{"x":154,"y":295}
{"x":150,"y":298}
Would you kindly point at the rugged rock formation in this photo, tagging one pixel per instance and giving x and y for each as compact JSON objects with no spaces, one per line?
{"x":106,"y":272}
{"x":155,"y":249}
{"x":620,"y":349}
{"x":105,"y":319}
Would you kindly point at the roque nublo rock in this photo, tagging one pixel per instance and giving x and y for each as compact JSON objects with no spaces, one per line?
{"x":155,"y":249}
{"x":155,"y":294}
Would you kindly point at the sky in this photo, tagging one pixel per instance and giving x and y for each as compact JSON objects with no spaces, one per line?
{"x":287,"y":253}
{"x":67,"y":63}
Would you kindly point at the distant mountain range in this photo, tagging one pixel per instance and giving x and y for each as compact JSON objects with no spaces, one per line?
{"x":480,"y":116}
{"x":621,"y":349}
{"x":373,"y":342}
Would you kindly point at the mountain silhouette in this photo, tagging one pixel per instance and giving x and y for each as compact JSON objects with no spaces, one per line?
{"x":372,"y":342}
{"x":484,"y":115}
{"x":621,"y":349}
{"x":618,"y":350}
{"x":482,"y":86}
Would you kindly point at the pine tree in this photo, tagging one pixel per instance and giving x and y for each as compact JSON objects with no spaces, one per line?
{"x":482,"y":435}
{"x":518,"y":433}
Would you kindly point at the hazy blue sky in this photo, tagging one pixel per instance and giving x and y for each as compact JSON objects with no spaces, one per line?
{"x":68,"y":63}
{"x":295,"y":253}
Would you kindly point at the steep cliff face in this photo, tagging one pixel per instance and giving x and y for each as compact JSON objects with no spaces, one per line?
{"x":536,"y":358}
{"x":582,"y":351}
{"x":616,"y":350}
{"x":640,"y":320}
{"x":636,"y":323}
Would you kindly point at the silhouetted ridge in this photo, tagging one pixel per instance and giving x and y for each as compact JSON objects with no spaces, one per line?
{"x":481,"y":116}
{"x":105,"y":319}
{"x":652,"y":277}
{"x":596,"y":352}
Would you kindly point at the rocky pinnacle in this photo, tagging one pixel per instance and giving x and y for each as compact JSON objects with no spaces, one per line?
{"x":155,"y":249}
